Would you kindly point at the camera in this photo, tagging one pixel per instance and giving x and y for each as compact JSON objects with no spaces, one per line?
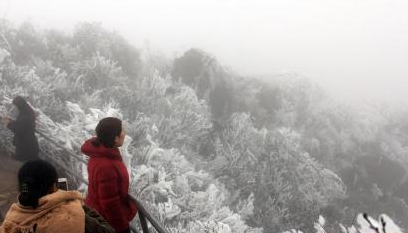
{"x":62,"y":184}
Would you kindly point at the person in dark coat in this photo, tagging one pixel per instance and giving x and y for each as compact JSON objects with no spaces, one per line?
{"x":23,"y":127}
{"x":108,"y":177}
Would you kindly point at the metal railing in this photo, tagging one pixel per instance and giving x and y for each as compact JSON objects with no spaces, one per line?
{"x":143,"y":213}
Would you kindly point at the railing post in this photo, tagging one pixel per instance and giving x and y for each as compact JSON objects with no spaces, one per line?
{"x":143,"y":222}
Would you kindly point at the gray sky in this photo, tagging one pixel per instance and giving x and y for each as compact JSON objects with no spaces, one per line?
{"x":353,"y":48}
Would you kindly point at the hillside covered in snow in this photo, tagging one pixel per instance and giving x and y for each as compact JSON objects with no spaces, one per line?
{"x":209,"y":150}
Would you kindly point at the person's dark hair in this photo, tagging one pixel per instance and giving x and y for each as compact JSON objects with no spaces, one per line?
{"x":35,"y":178}
{"x":106,"y":131}
{"x":23,"y":107}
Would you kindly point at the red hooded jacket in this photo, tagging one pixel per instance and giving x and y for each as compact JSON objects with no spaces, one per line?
{"x":108,"y":185}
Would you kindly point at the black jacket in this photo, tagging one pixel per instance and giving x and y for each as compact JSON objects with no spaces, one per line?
{"x":24,"y":140}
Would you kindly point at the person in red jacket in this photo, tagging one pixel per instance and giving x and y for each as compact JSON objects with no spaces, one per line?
{"x":107,"y":175}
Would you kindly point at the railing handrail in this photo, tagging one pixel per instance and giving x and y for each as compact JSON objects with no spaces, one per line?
{"x":82,"y":160}
{"x":149,"y":216}
{"x":142,"y":211}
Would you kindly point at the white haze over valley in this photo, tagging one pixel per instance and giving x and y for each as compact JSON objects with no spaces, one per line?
{"x":207,"y":147}
{"x":355,"y":49}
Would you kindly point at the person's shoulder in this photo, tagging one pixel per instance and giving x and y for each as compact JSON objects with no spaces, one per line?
{"x":25,"y":118}
{"x":69,"y":215}
{"x":104,"y":168}
{"x":102,"y":163}
{"x":60,"y":197}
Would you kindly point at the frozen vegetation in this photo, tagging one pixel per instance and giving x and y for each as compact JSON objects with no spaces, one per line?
{"x":207,"y":149}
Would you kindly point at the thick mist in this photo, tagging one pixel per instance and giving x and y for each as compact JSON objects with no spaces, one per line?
{"x":357,"y":50}
{"x":239,"y":116}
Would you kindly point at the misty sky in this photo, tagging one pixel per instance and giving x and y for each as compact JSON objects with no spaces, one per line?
{"x":356,"y":48}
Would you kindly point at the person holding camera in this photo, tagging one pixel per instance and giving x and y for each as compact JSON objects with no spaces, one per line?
{"x":42,"y":207}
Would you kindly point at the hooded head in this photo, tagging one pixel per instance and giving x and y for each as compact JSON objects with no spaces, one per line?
{"x":23,"y":107}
